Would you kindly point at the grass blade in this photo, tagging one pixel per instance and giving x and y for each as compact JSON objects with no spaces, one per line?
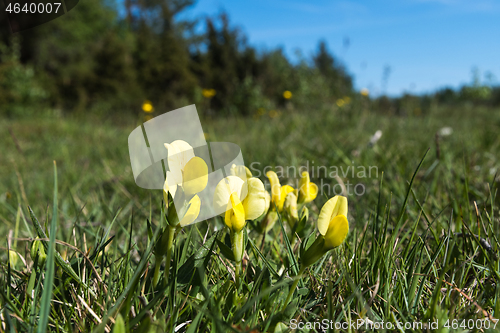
{"x":49,"y":267}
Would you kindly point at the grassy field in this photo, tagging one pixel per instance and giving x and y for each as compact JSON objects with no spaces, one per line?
{"x":422,"y":247}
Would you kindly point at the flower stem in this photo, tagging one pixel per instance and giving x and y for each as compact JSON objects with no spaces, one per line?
{"x":294,"y":286}
{"x":237,"y":239}
{"x":170,"y":249}
{"x":156,"y":276}
{"x":237,"y":274}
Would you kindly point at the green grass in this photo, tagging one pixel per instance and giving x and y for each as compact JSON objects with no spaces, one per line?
{"x":416,"y":250}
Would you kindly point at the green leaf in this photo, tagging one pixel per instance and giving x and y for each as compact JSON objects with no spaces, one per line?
{"x":186,"y":271}
{"x":225,"y":250}
{"x":119,"y":326}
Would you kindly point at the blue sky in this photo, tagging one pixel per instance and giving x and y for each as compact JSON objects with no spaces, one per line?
{"x":428,"y":44}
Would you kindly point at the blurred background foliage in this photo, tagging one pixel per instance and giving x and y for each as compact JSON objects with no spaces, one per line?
{"x":106,"y":59}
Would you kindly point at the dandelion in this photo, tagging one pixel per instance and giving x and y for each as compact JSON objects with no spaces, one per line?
{"x":347,"y":99}
{"x":208,"y":93}
{"x":365,"y":92}
{"x":287,"y":94}
{"x":340,"y":102}
{"x":239,"y":201}
{"x":333,"y":227}
{"x":147,"y":106}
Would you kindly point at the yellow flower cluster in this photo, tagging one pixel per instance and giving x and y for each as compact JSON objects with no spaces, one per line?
{"x":239,"y":198}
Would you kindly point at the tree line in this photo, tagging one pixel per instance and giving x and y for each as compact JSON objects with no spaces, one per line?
{"x":106,"y":58}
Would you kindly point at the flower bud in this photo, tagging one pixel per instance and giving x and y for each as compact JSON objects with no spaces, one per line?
{"x":240,"y":171}
{"x":307,"y":190}
{"x":269,"y":220}
{"x":290,"y":209}
{"x":13,"y":258}
{"x":37,"y":249}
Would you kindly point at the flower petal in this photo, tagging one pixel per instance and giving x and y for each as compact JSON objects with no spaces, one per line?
{"x":333,"y":207}
{"x":337,"y":232}
{"x":290,"y":208}
{"x":195,"y":176}
{"x":235,"y":214}
{"x":179,"y":154}
{"x":275,"y":186}
{"x":313,"y":192}
{"x":268,"y":201}
{"x":285,"y":189}
{"x":223,"y":191}
{"x":303,"y":185}
{"x":192,"y":212}
{"x":240,"y":171}
{"x":172,"y":188}
{"x":307,"y":190}
{"x":255,"y":201}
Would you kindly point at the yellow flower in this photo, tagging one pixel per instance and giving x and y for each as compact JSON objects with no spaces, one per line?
{"x":332,"y":208}
{"x":278,"y":192}
{"x":240,"y":171}
{"x":190,"y":174}
{"x":340,"y":102}
{"x":235,"y":214}
{"x":195,"y":176}
{"x":336,"y":232}
{"x":186,"y":170}
{"x":290,"y":209}
{"x":239,"y":201}
{"x":192,"y":212}
{"x":307,"y":190}
{"x":208,"y":93}
{"x":365,"y":92}
{"x":147,"y":107}
{"x":332,"y":225}
{"x":287,"y":94}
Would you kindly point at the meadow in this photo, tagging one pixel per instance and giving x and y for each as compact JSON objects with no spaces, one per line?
{"x":422,"y":246}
